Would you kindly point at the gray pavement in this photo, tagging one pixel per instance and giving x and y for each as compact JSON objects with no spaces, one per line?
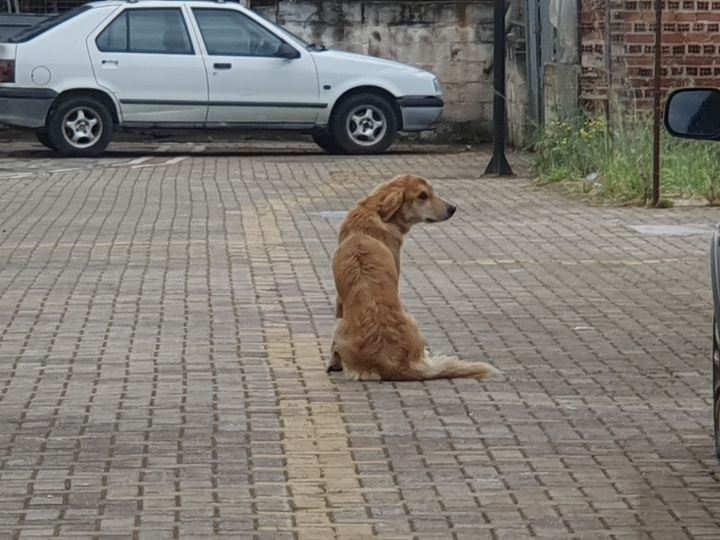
{"x":164,"y":313}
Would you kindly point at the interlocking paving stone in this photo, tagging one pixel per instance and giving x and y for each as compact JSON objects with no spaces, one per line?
{"x":165,"y":310}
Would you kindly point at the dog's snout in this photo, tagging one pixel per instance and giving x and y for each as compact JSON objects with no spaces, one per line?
{"x":451,"y":209}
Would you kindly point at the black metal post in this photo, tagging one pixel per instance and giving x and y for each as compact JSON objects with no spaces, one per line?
{"x":499,"y":165}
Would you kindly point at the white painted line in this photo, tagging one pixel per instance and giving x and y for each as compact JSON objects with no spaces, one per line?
{"x":174,"y":160}
{"x":170,"y":161}
{"x":17,"y":175}
{"x":137,"y":161}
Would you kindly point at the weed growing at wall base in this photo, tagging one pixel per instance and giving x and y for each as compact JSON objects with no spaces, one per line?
{"x":614,"y":163}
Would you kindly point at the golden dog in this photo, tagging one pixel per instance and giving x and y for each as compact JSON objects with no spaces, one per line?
{"x":375,"y":338}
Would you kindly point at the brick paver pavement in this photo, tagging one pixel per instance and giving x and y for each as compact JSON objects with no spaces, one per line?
{"x":164,"y":316}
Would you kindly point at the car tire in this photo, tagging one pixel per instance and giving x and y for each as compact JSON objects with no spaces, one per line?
{"x":327,"y":142}
{"x":716,"y":386}
{"x":43,"y":138}
{"x":364,"y":124}
{"x":80,"y":126}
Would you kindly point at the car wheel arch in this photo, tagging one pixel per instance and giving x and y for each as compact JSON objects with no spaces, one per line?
{"x":101,"y":96}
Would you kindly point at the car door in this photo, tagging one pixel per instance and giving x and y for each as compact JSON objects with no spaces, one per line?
{"x":146,"y":58}
{"x":248,"y":82}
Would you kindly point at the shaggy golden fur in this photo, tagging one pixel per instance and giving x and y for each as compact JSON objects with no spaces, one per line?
{"x":375,"y":338}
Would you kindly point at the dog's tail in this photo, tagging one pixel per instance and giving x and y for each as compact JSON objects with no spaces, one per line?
{"x":450,"y":367}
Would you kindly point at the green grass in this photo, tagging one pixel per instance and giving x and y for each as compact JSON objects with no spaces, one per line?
{"x":615,"y":165}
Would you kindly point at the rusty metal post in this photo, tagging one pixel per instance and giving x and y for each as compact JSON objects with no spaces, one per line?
{"x":608,"y":63}
{"x":657,"y":111}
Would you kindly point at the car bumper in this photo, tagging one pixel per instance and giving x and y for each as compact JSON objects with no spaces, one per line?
{"x":419,"y":113}
{"x":25,"y":107}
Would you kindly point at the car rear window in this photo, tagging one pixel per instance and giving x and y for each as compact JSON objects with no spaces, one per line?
{"x":40,"y":28}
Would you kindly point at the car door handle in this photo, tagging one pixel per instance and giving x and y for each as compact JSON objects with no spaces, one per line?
{"x":222,"y":66}
{"x":110,"y":62}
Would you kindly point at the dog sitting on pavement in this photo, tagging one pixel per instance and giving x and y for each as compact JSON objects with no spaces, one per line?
{"x":375,"y":338}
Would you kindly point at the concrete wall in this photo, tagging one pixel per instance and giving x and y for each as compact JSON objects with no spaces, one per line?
{"x":451,"y":38}
{"x":562,"y":75}
{"x":516,"y":96}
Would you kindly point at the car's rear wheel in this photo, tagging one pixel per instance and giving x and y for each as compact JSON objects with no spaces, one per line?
{"x":80,"y":126}
{"x":327,"y":142}
{"x":44,"y":139}
{"x":364,"y":124}
{"x":716,"y":386}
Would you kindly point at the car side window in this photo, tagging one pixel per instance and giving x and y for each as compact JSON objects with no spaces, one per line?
{"x":228,"y":32}
{"x":154,"y":31}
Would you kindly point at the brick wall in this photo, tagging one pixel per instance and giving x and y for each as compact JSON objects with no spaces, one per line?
{"x":690,"y":48}
{"x":48,"y":6}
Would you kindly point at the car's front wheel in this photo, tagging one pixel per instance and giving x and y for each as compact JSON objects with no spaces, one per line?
{"x":80,"y":126}
{"x":364,"y":124}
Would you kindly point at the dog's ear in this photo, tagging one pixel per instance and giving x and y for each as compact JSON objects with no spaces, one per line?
{"x":390,"y":204}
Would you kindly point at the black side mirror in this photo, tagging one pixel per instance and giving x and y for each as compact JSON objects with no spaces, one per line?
{"x":694,"y":113}
{"x":287,"y":51}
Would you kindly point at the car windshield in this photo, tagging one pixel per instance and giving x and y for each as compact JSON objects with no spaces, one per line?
{"x":43,"y":26}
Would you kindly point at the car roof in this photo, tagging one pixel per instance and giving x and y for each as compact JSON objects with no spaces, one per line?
{"x":156,"y":3}
{"x":160,"y":2}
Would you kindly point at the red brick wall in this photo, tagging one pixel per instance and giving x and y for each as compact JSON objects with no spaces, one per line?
{"x":690,"y":48}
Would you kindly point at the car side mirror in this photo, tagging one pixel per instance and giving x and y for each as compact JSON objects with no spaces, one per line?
{"x":694,"y":113}
{"x":287,"y":51}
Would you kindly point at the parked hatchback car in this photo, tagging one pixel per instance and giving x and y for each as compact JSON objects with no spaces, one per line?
{"x":191,"y":64}
{"x":694,"y":113}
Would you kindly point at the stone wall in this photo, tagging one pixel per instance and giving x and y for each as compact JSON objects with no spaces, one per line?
{"x":451,"y":38}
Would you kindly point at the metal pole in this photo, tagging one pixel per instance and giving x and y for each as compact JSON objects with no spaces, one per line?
{"x":657,"y":112}
{"x":499,"y":165}
{"x":608,"y":62}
